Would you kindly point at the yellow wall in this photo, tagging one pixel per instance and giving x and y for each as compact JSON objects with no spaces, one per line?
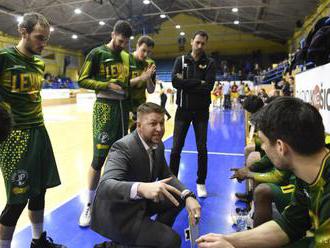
{"x":72,"y":73}
{"x":225,"y":40}
{"x":55,"y":66}
{"x":322,"y":11}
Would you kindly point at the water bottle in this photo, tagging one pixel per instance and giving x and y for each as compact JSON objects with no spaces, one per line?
{"x":241,"y":223}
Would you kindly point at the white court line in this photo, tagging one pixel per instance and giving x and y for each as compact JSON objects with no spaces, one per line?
{"x":213,"y":153}
{"x":166,"y":150}
{"x":48,"y":212}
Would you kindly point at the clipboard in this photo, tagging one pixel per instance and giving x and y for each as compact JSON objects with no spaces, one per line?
{"x":192,"y":232}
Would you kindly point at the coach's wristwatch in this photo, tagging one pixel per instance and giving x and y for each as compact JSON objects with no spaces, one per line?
{"x":187,"y":193}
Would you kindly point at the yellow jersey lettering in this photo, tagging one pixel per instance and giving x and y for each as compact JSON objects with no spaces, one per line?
{"x":115,"y":70}
{"x":102,"y":70}
{"x":24,"y":82}
{"x":14,"y":83}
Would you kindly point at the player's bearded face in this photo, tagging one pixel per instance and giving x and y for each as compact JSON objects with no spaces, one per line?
{"x":37,"y":40}
{"x":119,"y":42}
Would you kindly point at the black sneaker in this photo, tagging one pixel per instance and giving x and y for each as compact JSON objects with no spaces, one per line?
{"x":45,"y":242}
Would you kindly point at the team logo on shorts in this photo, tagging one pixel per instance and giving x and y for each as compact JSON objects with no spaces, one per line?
{"x":19,"y":181}
{"x":19,"y":178}
{"x":104,"y":138}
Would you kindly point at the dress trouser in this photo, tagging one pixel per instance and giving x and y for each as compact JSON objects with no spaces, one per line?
{"x":158,"y":233}
{"x":199,"y":119}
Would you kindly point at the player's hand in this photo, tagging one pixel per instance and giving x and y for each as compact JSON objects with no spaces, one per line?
{"x":213,"y":240}
{"x":240,"y":173}
{"x":148,"y":72}
{"x":152,"y":69}
{"x":158,"y":191}
{"x":114,"y":86}
{"x":193,"y":209}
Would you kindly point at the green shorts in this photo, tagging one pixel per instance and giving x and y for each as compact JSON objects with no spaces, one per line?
{"x":282,"y":195}
{"x":28,"y":164}
{"x":110,"y":123}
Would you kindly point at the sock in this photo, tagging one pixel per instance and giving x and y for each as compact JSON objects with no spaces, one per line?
{"x":5,"y":243}
{"x":37,"y":229}
{"x":90,"y":196}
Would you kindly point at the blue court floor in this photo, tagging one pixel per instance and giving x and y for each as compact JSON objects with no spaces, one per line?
{"x":225,"y":147}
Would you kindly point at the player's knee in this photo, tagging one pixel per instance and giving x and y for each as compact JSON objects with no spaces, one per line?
{"x":262,"y":191}
{"x":248,"y":149}
{"x":11,"y":214}
{"x":97,"y":163}
{"x":253,"y":157}
{"x":37,"y":203}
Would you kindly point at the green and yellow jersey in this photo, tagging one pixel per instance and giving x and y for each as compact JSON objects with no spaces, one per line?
{"x":20,"y":85}
{"x":264,"y":171}
{"x":310,"y":207}
{"x":103,"y":66}
{"x":138,"y":92}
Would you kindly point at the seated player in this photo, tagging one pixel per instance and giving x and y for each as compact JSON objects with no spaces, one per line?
{"x":292,"y":134}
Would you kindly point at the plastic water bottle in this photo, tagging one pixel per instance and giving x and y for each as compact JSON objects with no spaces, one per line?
{"x":241,"y":223}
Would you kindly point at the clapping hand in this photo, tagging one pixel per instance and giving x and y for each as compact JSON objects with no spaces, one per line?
{"x":148,"y":72}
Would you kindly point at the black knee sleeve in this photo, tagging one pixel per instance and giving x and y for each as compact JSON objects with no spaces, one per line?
{"x":11,"y":213}
{"x":97,"y":163}
{"x":37,"y":203}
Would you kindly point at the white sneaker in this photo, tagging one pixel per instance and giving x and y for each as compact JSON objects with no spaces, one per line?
{"x":201,"y":190}
{"x":85,"y":217}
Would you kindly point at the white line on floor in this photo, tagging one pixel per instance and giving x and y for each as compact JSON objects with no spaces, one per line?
{"x":213,"y":153}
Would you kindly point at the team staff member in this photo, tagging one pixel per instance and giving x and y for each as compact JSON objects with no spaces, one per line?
{"x":106,"y":70}
{"x":143,"y":71}
{"x":26,"y":157}
{"x":193,"y":76}
{"x":138,"y":184}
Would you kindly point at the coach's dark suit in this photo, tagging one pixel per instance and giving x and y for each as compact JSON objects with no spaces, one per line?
{"x":114,"y":214}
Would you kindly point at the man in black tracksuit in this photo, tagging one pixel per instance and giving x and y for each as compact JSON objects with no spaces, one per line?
{"x":193,"y":76}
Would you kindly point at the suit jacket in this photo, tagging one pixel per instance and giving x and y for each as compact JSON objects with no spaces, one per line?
{"x":114,"y":214}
